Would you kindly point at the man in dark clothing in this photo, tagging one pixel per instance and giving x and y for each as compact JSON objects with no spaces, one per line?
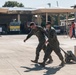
{"x":40,"y":33}
{"x":53,"y":44}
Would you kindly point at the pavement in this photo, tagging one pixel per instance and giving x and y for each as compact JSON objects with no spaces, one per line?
{"x":16,"y":56}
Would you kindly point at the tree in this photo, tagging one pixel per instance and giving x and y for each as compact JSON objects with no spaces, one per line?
{"x":12,"y":4}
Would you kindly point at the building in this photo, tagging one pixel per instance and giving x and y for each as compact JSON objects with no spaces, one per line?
{"x":26,"y":15}
{"x":22,"y":15}
{"x":63,"y":22}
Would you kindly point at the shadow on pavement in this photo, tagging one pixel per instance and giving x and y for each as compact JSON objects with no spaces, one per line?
{"x":49,"y":70}
{"x":36,"y":68}
{"x":52,"y":70}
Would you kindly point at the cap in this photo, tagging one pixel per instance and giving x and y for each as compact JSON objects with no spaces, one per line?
{"x":32,"y":23}
{"x":48,"y":23}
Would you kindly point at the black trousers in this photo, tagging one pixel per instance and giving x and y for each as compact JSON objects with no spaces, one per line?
{"x":41,"y":46}
{"x":49,"y":50}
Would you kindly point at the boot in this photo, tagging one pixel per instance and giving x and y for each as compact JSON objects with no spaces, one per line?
{"x":34,"y":61}
{"x":62,"y":64}
{"x":42,"y":64}
{"x":49,"y":62}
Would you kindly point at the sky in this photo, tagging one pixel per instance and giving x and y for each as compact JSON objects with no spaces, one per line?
{"x":43,"y":3}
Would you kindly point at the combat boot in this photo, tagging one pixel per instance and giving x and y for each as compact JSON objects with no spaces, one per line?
{"x":49,"y":62}
{"x":34,"y":61}
{"x":62,"y":64}
{"x":42,"y":64}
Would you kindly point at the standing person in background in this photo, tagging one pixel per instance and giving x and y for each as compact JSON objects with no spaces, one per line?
{"x":72,"y":31}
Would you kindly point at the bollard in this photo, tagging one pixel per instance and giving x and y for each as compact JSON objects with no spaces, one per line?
{"x":75,"y":50}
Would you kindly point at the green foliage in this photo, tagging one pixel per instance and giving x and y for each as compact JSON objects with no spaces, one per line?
{"x":13,"y":4}
{"x":71,"y":16}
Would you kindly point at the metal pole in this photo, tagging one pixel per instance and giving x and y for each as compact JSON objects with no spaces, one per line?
{"x":66,"y":23}
{"x":58,"y":19}
{"x":75,"y":16}
{"x":18,"y":17}
{"x":46,"y":17}
{"x":38,"y":19}
{"x":75,"y":50}
{"x":57,"y":4}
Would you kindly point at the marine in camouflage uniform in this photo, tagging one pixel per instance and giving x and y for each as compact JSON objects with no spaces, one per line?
{"x":40,"y":33}
{"x":53,"y":45}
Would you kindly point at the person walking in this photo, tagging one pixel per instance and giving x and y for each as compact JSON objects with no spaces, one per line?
{"x":53,"y":45}
{"x":40,"y":33}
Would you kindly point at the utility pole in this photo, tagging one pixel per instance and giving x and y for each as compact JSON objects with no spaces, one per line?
{"x":57,"y":3}
{"x":75,"y":13}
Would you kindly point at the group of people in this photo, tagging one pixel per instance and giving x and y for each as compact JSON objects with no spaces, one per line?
{"x":52,"y":43}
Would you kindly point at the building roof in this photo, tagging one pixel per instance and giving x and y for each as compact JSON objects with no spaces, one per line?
{"x":3,"y":10}
{"x":70,"y":19}
{"x":20,"y":9}
{"x":54,"y":10}
{"x":13,"y":10}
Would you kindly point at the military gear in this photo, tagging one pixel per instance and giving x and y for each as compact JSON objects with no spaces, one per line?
{"x":49,"y":62}
{"x":42,"y":64}
{"x":62,"y":64}
{"x":69,"y":56}
{"x":34,"y":61}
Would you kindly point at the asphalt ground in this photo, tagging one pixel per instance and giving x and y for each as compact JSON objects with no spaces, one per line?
{"x":16,"y":56}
